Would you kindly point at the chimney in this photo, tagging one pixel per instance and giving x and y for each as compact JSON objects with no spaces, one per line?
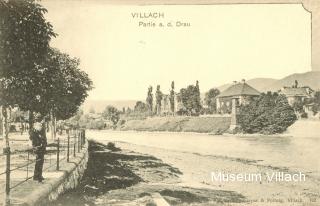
{"x":243,"y":81}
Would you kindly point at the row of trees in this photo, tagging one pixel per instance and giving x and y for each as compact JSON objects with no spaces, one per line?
{"x":189,"y":98}
{"x":34,"y":76}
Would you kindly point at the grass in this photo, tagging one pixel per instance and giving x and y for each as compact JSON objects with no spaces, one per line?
{"x":216,"y":125}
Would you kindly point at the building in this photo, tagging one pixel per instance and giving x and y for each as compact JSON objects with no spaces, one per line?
{"x":165,"y":108}
{"x":297,"y":94}
{"x":239,"y":93}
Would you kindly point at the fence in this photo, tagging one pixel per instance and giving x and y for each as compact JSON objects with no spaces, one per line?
{"x":62,"y":149}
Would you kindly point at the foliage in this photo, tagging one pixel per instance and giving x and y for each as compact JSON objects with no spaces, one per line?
{"x":67,"y":86}
{"x":159,"y":97}
{"x":298,"y":106}
{"x":24,"y":43}
{"x":190,"y":98}
{"x":140,"y":107}
{"x":210,"y":99}
{"x":270,"y":114}
{"x":149,"y":99}
{"x":171,"y":97}
{"x":94,"y":124}
{"x":111,"y":113}
{"x":316,"y":106}
{"x":304,"y":115}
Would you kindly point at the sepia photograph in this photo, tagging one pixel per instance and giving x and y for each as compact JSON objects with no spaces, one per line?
{"x":160,"y":102}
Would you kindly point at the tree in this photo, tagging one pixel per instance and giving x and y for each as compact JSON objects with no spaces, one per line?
{"x":269,"y":114}
{"x":190,"y":98}
{"x":172,"y":98}
{"x":24,"y":43}
{"x":141,"y":107}
{"x":69,"y":88}
{"x":62,"y":87}
{"x":316,"y":101}
{"x":149,"y":99}
{"x":159,"y":97}
{"x":111,"y":113}
{"x":128,"y":110}
{"x":210,"y":99}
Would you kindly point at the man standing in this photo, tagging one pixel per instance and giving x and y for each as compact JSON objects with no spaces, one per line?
{"x":39,"y":143}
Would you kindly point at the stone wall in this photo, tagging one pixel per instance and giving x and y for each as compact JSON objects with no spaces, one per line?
{"x":68,"y":177}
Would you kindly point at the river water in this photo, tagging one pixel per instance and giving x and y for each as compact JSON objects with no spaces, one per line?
{"x":198,"y":155}
{"x":296,"y":152}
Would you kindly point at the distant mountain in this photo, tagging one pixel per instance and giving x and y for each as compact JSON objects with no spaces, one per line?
{"x":100,"y":105}
{"x":311,"y":79}
{"x":257,"y":83}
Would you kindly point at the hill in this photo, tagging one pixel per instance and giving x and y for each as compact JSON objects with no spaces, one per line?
{"x":257,"y":83}
{"x":311,"y":79}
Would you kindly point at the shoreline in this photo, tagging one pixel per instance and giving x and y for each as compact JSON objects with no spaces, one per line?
{"x":139,"y":179}
{"x":172,"y":175}
{"x":197,"y":133}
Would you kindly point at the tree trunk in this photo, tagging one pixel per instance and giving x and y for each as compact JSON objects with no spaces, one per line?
{"x":5,"y":126}
{"x":1,"y":123}
{"x":31,"y":121}
{"x":53,"y":125}
{"x":44,"y":129}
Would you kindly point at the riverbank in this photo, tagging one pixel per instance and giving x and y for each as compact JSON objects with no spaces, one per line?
{"x":197,"y":155}
{"x":214,"y":125}
{"x":118,"y":176}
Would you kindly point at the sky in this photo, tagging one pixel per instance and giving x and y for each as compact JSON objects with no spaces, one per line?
{"x":223,"y":43}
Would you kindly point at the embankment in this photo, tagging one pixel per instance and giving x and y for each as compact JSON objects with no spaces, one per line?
{"x":55,"y":183}
{"x":215,"y":125}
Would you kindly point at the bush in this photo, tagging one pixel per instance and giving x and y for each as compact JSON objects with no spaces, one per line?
{"x":269,"y":114}
{"x":95,"y":124}
{"x":304,"y":115}
{"x":111,"y":146}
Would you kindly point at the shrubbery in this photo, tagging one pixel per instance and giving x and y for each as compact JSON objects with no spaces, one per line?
{"x":269,"y":114}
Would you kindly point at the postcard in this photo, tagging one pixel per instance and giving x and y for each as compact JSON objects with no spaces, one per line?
{"x":161,"y":103}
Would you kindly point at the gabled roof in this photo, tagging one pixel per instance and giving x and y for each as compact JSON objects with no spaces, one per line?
{"x":239,"y":89}
{"x":300,"y":91}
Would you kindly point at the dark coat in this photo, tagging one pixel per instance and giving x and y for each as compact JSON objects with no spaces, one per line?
{"x":39,"y":140}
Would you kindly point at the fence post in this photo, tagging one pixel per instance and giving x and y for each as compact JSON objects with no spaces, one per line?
{"x":81,"y":138}
{"x":84,"y":137}
{"x":58,"y":151}
{"x":78,"y":132}
{"x":68,"y":152}
{"x":6,"y":151}
{"x":28,"y":164}
{"x":74,"y":145}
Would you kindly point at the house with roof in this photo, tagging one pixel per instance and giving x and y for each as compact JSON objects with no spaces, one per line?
{"x":297,"y":94}
{"x":239,"y":93}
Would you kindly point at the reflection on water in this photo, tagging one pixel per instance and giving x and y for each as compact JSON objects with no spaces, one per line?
{"x":281,"y":151}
